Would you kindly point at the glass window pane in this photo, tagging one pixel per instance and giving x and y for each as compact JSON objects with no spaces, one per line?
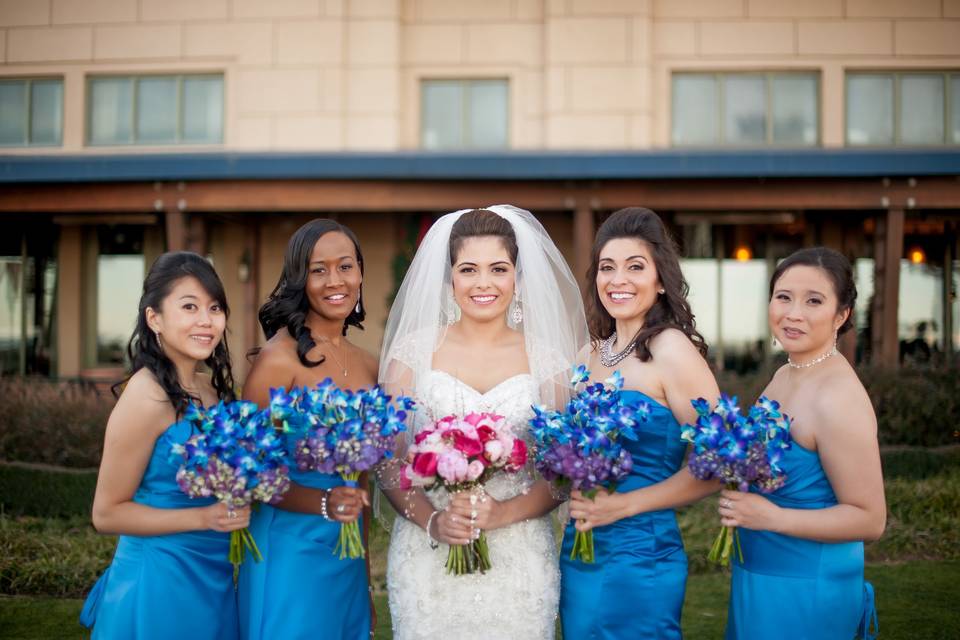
{"x":921,"y":109}
{"x":488,"y":114}
{"x":920,"y":311}
{"x":46,"y":112}
{"x":111,"y":110}
{"x":701,"y":275}
{"x":157,"y":109}
{"x":745,"y":109}
{"x":794,"y":98}
{"x":955,"y":107}
{"x":695,"y":108}
{"x":869,"y":109}
{"x":119,"y":282}
{"x":442,"y":125}
{"x":13,"y":112}
{"x":202,"y":109}
{"x":744,"y":308}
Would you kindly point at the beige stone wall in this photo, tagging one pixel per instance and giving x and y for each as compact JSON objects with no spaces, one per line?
{"x":345,"y":74}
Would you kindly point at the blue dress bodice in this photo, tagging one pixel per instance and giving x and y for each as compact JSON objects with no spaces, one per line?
{"x":822,"y":581}
{"x":641,"y":555}
{"x":188,"y":571}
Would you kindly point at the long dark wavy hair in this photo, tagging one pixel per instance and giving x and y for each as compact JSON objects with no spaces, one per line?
{"x":670,"y":310}
{"x":144,"y":350}
{"x":288,"y":305}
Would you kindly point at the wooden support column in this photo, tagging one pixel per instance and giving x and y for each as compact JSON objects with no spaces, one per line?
{"x":888,"y":250}
{"x":69,"y":336}
{"x":832,"y":234}
{"x":197,"y":235}
{"x":583,"y":231}
{"x":176,"y":227}
{"x":251,"y":299}
{"x":948,"y":291}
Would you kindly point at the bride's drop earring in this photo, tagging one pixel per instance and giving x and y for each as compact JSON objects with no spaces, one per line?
{"x":517,"y":314}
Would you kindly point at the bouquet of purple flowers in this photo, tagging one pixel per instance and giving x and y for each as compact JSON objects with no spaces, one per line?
{"x":739,"y":450}
{"x":578,"y":448}
{"x":236,"y":456}
{"x":333,"y":430}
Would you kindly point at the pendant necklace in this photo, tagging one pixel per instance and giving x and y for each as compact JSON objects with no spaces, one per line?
{"x":333,"y":353}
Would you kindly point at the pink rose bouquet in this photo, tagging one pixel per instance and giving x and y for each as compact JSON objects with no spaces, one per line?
{"x":460,"y":454}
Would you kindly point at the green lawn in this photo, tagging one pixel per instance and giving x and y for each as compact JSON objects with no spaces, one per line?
{"x":915,"y":600}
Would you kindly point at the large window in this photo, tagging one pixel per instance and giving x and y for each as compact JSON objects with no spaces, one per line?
{"x":909,"y":108}
{"x":183,"y":109}
{"x":745,"y":109}
{"x":31,"y":112}
{"x":120,"y":272}
{"x":464,"y":114}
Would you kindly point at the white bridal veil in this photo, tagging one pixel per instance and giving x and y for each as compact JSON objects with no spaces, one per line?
{"x":553,"y":325}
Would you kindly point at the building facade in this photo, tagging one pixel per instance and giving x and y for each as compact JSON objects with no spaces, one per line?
{"x":754,"y":127}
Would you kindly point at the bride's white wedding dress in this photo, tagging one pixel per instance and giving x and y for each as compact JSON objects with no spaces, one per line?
{"x":518,"y":597}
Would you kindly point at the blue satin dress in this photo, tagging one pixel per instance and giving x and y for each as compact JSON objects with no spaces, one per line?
{"x":302,"y":589}
{"x":636,"y":585}
{"x":178,"y":585}
{"x":796,"y":589}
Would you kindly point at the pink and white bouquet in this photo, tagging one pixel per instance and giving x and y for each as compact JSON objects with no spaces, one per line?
{"x":460,"y":454}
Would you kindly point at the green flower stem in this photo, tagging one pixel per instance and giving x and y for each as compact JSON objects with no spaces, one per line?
{"x":469,"y":558}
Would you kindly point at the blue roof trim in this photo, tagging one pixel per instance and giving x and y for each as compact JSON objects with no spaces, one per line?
{"x":509,"y":165}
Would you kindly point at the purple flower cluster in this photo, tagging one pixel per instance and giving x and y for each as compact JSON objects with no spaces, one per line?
{"x":234,"y":455}
{"x":739,"y":450}
{"x":579,"y":447}
{"x":333,"y":430}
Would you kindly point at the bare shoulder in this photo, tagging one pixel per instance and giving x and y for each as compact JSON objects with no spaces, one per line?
{"x":143,"y":402}
{"x":843,"y":402}
{"x":673,"y":347}
{"x":368,"y":361}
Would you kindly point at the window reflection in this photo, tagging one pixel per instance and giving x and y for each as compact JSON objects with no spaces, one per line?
{"x":920,"y":311}
{"x":729,"y":301}
{"x":120,"y":273}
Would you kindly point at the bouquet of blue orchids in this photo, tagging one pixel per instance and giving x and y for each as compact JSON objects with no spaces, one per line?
{"x":236,"y":456}
{"x":739,"y":450}
{"x":338,"y":431}
{"x":579,"y":447}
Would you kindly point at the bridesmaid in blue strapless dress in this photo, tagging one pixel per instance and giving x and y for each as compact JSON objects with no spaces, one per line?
{"x":822,"y":582}
{"x":187,"y":572}
{"x":170,"y":577}
{"x":641,"y":325}
{"x":301,"y":589}
{"x":635,"y":587}
{"x":802,"y":571}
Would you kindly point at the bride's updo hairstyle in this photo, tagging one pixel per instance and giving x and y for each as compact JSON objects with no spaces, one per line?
{"x":670,"y":310}
{"x":482,"y":223}
{"x":838,"y":270}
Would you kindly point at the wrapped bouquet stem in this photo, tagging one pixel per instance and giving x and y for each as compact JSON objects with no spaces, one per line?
{"x":461,"y":454}
{"x":740,"y":450}
{"x":578,"y":448}
{"x":235,"y":455}
{"x":338,"y":431}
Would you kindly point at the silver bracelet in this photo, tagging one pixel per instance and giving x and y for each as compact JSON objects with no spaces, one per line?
{"x":323,"y":505}
{"x":433,"y":543}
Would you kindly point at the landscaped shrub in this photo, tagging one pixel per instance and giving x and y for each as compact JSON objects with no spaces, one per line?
{"x":34,"y":490}
{"x":51,"y":422}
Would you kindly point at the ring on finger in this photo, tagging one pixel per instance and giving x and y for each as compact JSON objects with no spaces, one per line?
{"x":231,"y":514}
{"x":341,"y":508}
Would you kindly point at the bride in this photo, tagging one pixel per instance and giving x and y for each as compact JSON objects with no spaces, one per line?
{"x":488,"y":319}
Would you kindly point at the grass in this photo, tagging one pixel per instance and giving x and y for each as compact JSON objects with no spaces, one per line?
{"x":915,"y":601}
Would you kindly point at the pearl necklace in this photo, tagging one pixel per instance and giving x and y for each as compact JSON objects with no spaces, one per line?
{"x":815,"y":361}
{"x":610,"y":359}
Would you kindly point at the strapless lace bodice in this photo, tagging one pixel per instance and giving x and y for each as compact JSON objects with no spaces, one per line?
{"x":520,"y":593}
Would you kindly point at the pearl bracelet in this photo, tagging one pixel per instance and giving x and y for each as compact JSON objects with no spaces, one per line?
{"x":323,"y":505}
{"x":433,"y":543}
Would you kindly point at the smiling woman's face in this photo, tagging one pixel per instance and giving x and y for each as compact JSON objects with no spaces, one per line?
{"x":803,"y":312}
{"x":627,"y":280}
{"x":333,"y":279}
{"x":484,"y":278}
